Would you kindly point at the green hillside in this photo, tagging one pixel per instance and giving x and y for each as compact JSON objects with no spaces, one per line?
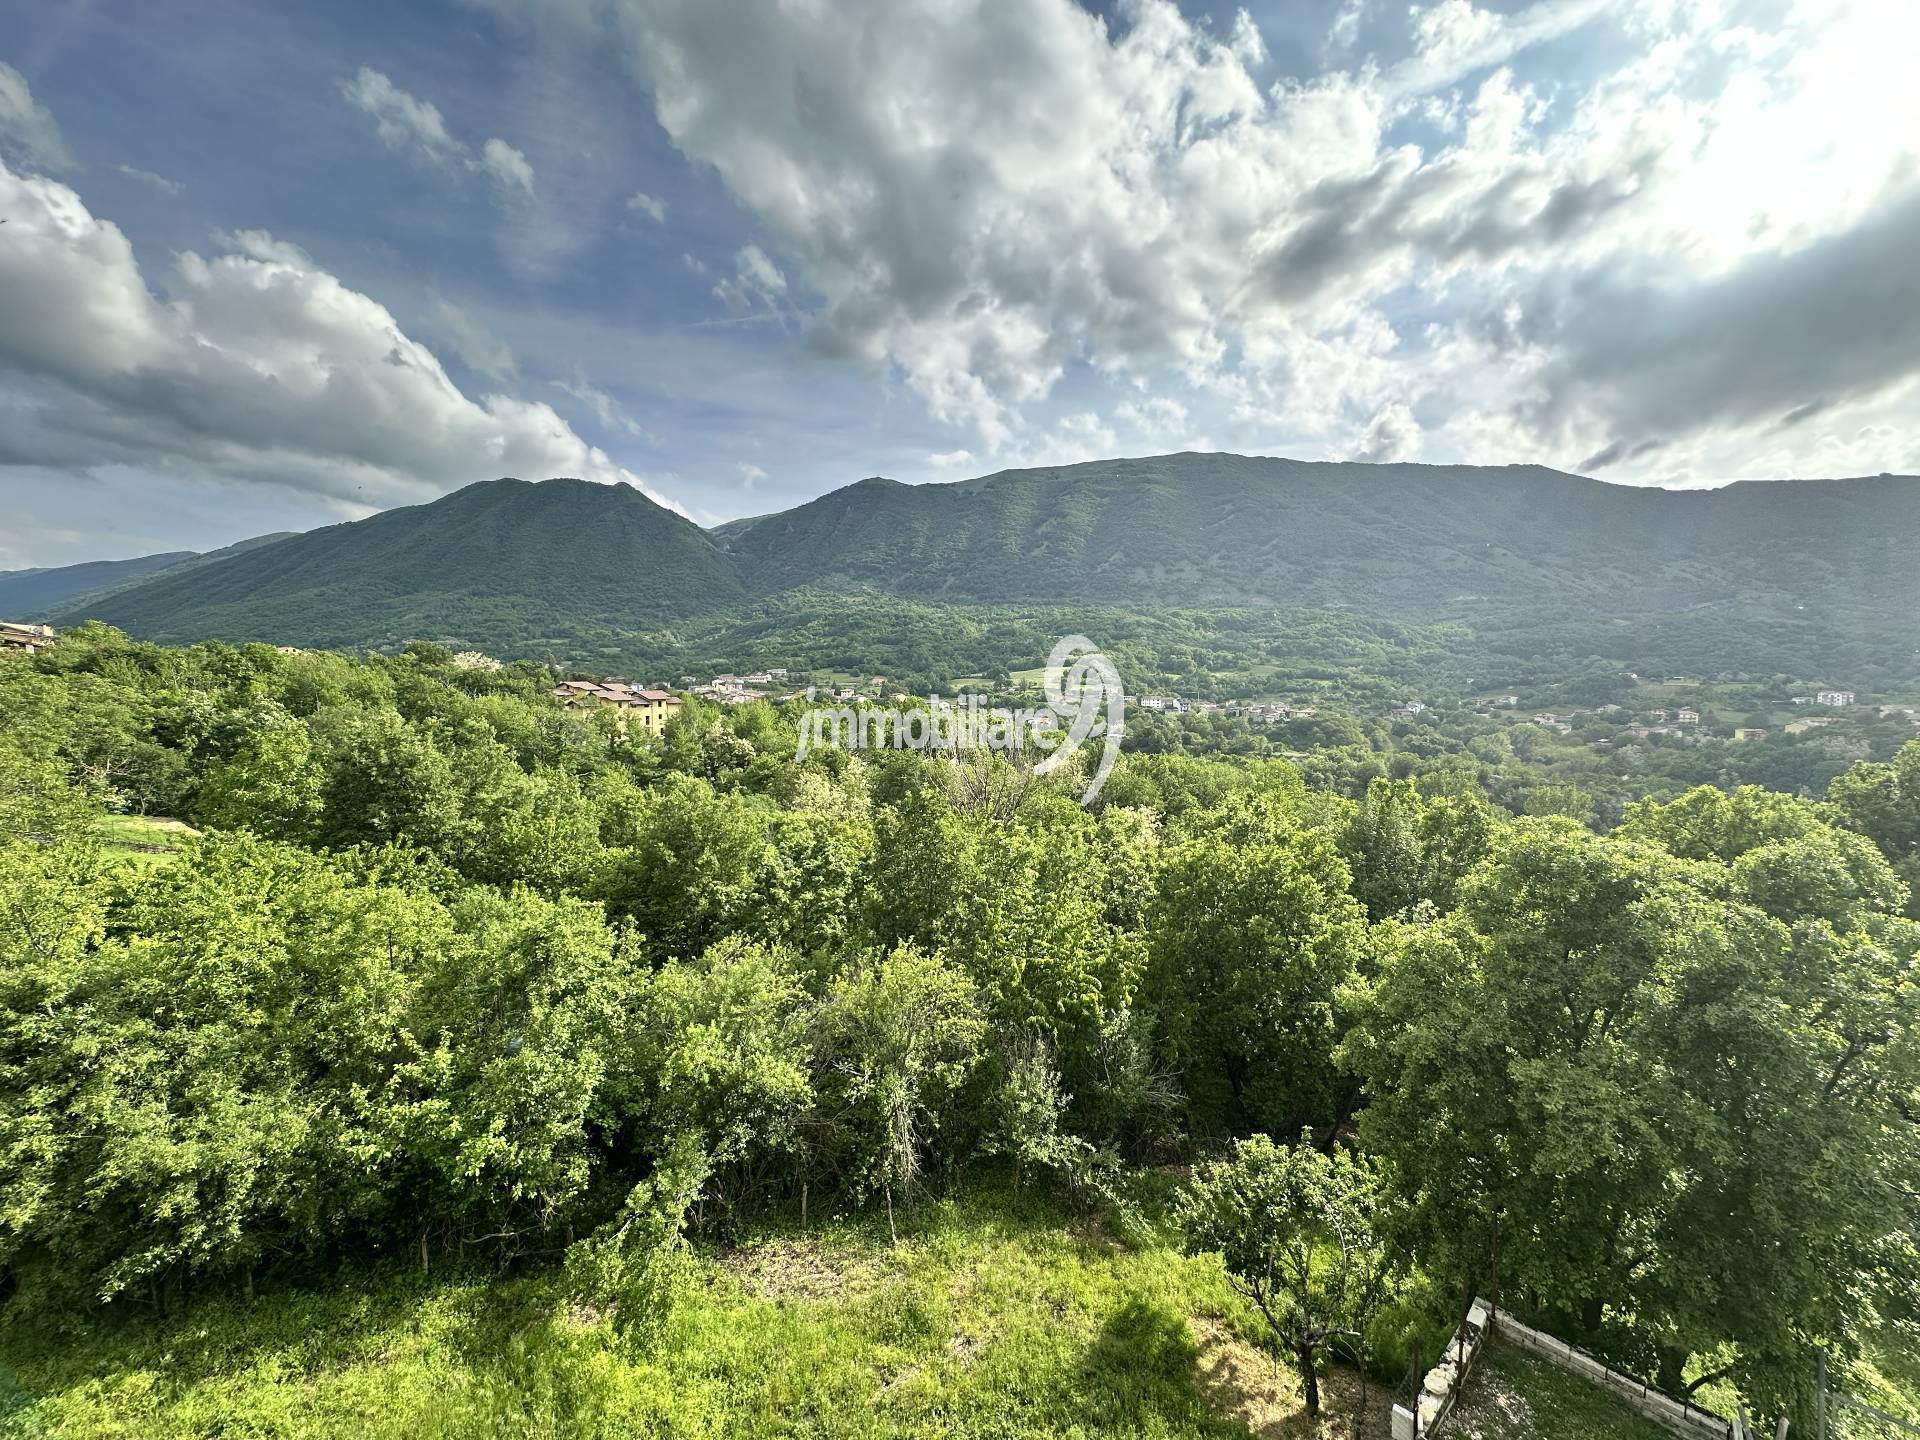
{"x":46,"y":594}
{"x":31,"y":594}
{"x":505,"y":563}
{"x":574,"y":568}
{"x":1229,"y":529}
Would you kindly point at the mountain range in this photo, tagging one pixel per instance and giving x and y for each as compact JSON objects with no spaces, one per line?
{"x":44,"y":593}
{"x":540,"y":568}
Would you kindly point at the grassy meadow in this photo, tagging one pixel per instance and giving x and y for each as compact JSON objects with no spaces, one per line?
{"x":995,"y":1315}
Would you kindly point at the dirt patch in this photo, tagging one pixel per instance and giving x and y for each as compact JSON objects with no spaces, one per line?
{"x":795,"y":1270}
{"x":1248,"y":1385}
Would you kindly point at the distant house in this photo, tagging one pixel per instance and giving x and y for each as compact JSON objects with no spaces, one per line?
{"x":1687,"y":717}
{"x":29,"y":639}
{"x":1414,"y":707}
{"x":651,"y":708}
{"x":1749,"y":732}
{"x":1658,"y":716}
{"x":776,"y":674}
{"x":1836,"y":699}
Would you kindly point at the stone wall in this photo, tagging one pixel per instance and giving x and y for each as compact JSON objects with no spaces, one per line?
{"x":1441,"y":1388}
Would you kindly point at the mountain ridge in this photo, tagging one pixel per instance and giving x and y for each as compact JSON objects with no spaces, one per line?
{"x":44,"y":592}
{"x":516,"y":564}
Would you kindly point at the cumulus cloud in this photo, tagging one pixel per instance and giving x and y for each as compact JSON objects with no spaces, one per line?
{"x":27,"y":128}
{"x":654,"y":208}
{"x":415,"y":127}
{"x":255,"y":363}
{"x":403,"y":121}
{"x":506,"y":166}
{"x":986,"y":196}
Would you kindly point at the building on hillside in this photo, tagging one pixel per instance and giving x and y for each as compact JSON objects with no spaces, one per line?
{"x":650,"y":708}
{"x":1749,"y":732}
{"x":1834,"y":699}
{"x":24,"y":638}
{"x":1659,"y":717}
{"x":1414,"y":707}
{"x":1687,"y":717}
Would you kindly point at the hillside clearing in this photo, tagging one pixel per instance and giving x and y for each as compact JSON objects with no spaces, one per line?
{"x":990,"y":1319}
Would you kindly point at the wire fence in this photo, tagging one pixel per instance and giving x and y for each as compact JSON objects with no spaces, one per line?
{"x":1841,"y":1416}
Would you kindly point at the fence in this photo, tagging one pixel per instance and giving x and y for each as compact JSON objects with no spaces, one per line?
{"x":1437,"y":1396}
{"x":1835,"y":1405}
{"x":1682,"y":1417}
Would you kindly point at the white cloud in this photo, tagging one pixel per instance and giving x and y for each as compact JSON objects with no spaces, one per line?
{"x":479,"y":349}
{"x":147,"y":177}
{"x":750,"y":474}
{"x":604,"y":407}
{"x":403,"y":121}
{"x":506,"y":166}
{"x":27,"y":128}
{"x":757,"y":283}
{"x":950,"y":459}
{"x":983,"y":198}
{"x":654,"y":208}
{"x":257,"y":364}
{"x":414,"y":126}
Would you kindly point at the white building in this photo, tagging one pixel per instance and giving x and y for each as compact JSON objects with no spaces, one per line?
{"x":1834,"y":698}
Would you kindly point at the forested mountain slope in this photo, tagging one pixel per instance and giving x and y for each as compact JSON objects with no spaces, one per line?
{"x":517,"y":566}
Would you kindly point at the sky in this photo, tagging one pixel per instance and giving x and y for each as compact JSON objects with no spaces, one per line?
{"x":270,"y":266}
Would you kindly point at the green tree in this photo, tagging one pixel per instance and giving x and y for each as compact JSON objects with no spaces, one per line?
{"x":899,"y":1034}
{"x":1253,"y":938}
{"x":1299,"y":1234}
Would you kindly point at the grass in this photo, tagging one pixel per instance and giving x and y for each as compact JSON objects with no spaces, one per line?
{"x":1512,"y":1395}
{"x":993,"y":1317}
{"x":146,"y":842}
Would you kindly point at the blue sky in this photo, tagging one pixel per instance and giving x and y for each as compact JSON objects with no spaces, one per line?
{"x":272,"y":266}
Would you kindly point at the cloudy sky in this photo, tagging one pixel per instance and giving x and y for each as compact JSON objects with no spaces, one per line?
{"x":268,"y":266}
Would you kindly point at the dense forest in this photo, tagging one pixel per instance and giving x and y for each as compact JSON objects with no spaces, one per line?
{"x":452,"y":975}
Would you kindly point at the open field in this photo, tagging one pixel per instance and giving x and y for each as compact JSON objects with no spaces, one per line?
{"x":146,"y":842}
{"x":993,"y":1317}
